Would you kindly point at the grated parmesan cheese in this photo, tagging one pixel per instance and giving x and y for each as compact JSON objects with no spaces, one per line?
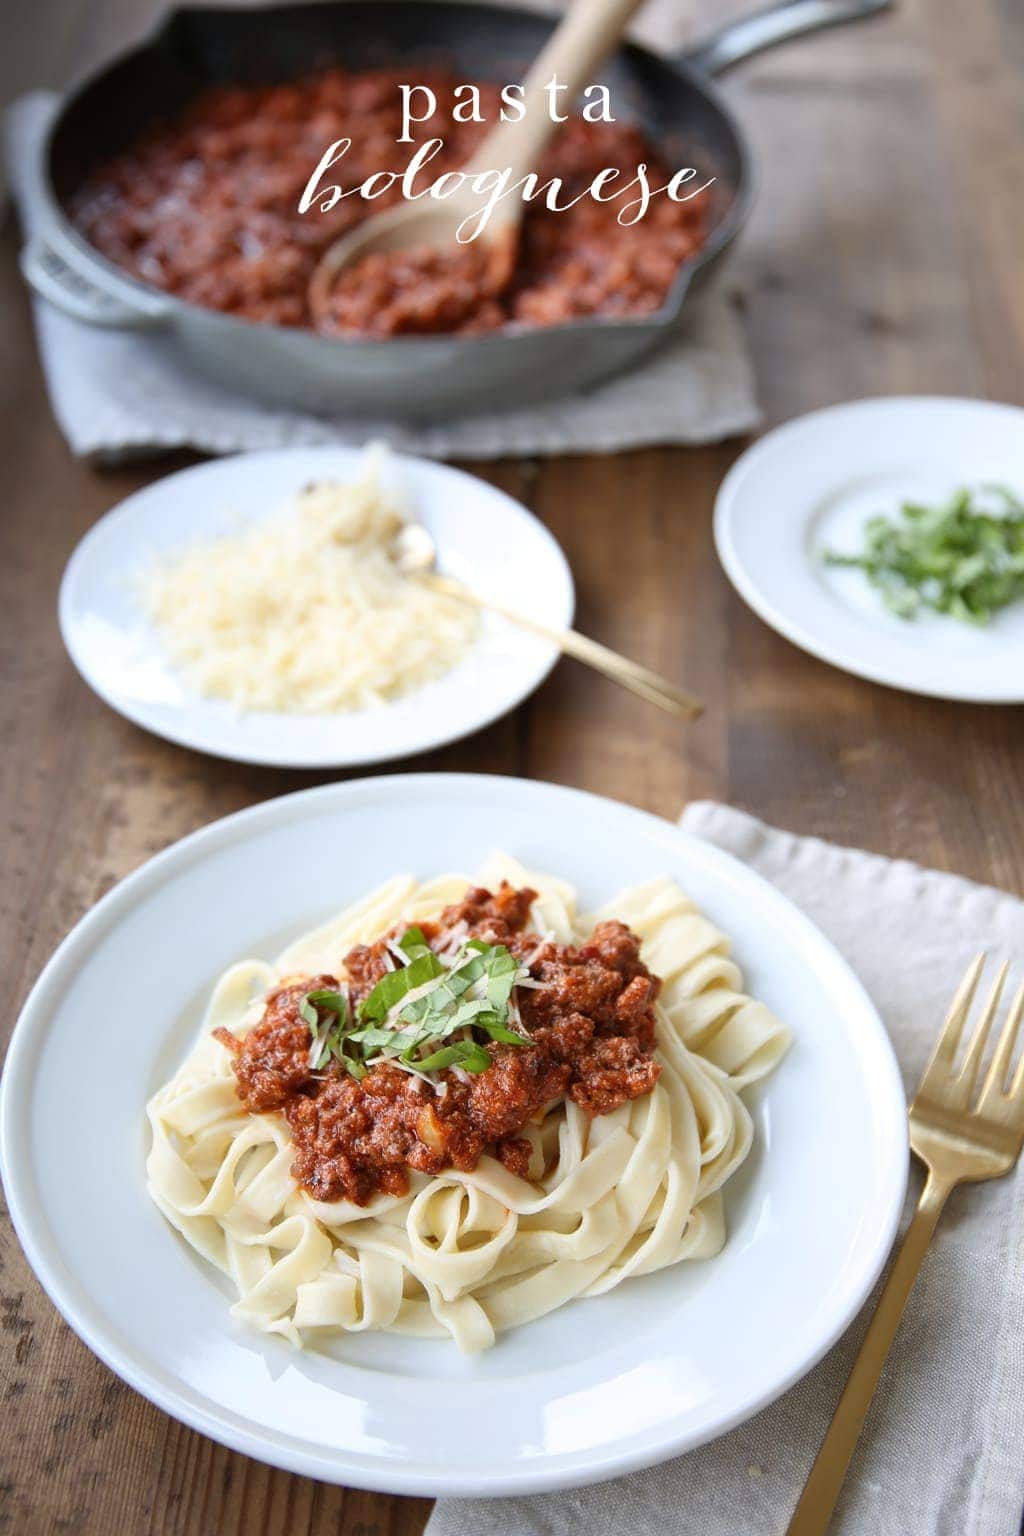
{"x":305,"y":611}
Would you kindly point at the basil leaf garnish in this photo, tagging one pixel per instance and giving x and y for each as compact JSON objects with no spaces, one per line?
{"x":334,"y":1002}
{"x":498,"y":1031}
{"x":473,"y":992}
{"x":464,"y":1053}
{"x":396,"y":984}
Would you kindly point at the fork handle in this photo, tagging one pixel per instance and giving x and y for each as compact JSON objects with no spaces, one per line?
{"x":818,"y":1500}
{"x":628,"y":674}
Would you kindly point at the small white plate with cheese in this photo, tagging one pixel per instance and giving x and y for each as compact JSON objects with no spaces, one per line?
{"x":201,"y":609}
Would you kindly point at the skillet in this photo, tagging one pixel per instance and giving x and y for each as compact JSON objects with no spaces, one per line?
{"x":408,"y":377}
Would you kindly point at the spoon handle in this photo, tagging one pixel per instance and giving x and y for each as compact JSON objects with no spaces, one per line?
{"x":584,"y":38}
{"x":628,"y":674}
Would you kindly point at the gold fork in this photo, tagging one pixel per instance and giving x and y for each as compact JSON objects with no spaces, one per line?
{"x":962,"y":1137}
{"x":414,"y":553}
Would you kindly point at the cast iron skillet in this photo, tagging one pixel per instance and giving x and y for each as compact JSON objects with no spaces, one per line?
{"x":419,"y":377}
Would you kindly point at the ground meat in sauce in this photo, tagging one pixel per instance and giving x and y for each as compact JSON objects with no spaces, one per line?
{"x":592,"y":1027}
{"x":206,"y":207}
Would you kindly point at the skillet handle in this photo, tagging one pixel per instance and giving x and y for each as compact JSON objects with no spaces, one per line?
{"x":774,"y":24}
{"x":56,"y":277}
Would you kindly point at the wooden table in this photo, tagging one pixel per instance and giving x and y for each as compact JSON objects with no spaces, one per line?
{"x":886,"y":255}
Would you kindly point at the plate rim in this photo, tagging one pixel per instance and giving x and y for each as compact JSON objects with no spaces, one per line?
{"x":194,"y":740}
{"x":100,"y":1333}
{"x":737,"y":571}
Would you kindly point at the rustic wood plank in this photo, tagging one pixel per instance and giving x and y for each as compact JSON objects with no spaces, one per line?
{"x":885,"y":254}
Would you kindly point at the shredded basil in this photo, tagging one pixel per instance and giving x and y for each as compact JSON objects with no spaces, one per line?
{"x":501,"y":978}
{"x":329,"y":1035}
{"x":464,"y":1053}
{"x":472,"y":993}
{"x":334,"y":1002}
{"x":964,"y":557}
{"x":498,"y":1031}
{"x":396,"y":984}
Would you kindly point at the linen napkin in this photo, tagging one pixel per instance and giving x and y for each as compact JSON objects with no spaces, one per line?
{"x":942,"y":1452}
{"x":119,"y":394}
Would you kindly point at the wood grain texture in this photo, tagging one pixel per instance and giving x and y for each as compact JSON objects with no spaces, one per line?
{"x":885,"y":255}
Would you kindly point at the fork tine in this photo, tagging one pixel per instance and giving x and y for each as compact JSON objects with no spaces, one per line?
{"x":1004,"y":1053}
{"x":976,"y":1050}
{"x":944,"y":1054}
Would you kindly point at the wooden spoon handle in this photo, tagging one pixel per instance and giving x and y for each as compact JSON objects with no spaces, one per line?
{"x":579,"y":46}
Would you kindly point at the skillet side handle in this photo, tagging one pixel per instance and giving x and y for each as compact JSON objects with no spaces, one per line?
{"x":62,"y":284}
{"x":774,"y":24}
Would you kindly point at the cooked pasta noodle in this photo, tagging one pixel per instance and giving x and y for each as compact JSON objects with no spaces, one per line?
{"x":470,"y":1254}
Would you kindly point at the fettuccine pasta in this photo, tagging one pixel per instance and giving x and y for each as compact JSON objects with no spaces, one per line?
{"x":468,"y":1254}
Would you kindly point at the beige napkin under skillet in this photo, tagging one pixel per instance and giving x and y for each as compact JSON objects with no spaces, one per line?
{"x":943,"y":1449}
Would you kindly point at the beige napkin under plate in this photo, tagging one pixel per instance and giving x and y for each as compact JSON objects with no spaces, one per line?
{"x":943,"y":1449}
{"x":122,"y":394}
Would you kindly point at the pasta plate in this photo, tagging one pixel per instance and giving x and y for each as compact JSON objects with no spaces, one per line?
{"x":603,"y":1384}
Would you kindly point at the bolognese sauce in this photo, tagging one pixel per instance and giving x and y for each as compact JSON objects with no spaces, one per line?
{"x":588,"y":1024}
{"x":206,"y":207}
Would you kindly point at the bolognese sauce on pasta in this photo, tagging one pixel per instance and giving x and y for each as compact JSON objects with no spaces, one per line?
{"x":587,"y":1031}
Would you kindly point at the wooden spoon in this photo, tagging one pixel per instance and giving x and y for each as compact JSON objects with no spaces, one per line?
{"x":580,"y":44}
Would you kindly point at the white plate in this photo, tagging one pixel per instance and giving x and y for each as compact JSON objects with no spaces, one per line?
{"x":482,"y":536}
{"x":813,"y":484}
{"x":599,"y":1387}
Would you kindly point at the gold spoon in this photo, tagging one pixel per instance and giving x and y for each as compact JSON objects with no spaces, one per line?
{"x":414,"y":552}
{"x":580,"y":44}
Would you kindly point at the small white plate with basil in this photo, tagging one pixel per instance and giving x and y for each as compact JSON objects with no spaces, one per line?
{"x":282,"y":633}
{"x":886,"y":537}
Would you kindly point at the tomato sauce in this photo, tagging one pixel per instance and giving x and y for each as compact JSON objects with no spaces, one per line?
{"x":591,"y":1029}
